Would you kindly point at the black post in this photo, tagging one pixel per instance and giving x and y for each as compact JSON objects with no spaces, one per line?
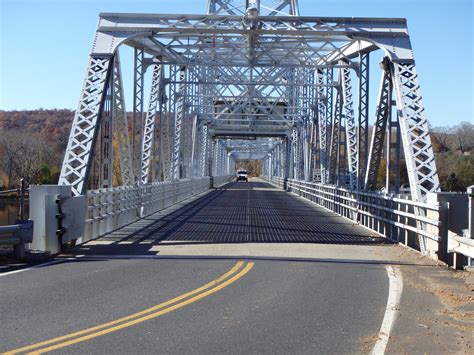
{"x":21,"y":209}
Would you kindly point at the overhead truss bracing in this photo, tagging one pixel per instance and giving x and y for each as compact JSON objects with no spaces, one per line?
{"x":250,"y":79}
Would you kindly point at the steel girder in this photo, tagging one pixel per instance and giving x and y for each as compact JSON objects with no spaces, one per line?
{"x":194,"y":145}
{"x":334,"y":153}
{"x":150,"y":120}
{"x":279,"y":40}
{"x":138,"y":106}
{"x":179,"y":115}
{"x":270,"y":8}
{"x":419,"y":156}
{"x":82,"y":139}
{"x":106,"y":137}
{"x":384,"y":106}
{"x":363,"y":114}
{"x":322,"y":103}
{"x":203,"y":152}
{"x":121,"y":125}
{"x":351,"y":132}
{"x":246,"y":79}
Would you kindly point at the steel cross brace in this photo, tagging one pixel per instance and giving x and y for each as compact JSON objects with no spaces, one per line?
{"x":82,"y":139}
{"x":422,"y":172}
{"x":384,"y":105}
{"x":335,"y":141}
{"x":150,"y":121}
{"x":179,"y":115}
{"x":106,"y":137}
{"x":351,"y":133}
{"x":363,"y":114}
{"x":121,"y":125}
{"x":323,"y":125}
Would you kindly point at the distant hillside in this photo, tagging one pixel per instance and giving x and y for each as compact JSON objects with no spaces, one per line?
{"x":39,"y":138}
{"x":45,"y":122}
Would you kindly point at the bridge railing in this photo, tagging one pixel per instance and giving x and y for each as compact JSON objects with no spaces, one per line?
{"x":400,"y":219}
{"x":113,"y":208}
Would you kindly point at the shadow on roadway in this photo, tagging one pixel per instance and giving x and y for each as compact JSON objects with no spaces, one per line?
{"x":253,"y":212}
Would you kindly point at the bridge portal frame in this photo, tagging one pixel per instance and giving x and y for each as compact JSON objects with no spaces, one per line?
{"x":233,"y":57}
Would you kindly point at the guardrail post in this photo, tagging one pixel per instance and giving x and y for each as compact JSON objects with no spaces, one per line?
{"x":21,"y":210}
{"x":443,"y":228}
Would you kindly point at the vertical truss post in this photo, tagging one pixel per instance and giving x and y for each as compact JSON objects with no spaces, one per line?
{"x":203,"y":151}
{"x":397,"y":148}
{"x":311,"y":103}
{"x":192,"y":163}
{"x":167,"y":123}
{"x":281,"y":160}
{"x":137,"y":118}
{"x":121,"y":126}
{"x":306,"y":149}
{"x":334,"y":147}
{"x":218,"y":157}
{"x":323,"y":126}
{"x":294,"y":149}
{"x":278,"y":160}
{"x":178,"y":120}
{"x":150,"y":121}
{"x":380,"y":127}
{"x":351,"y":133}
{"x":157,"y":161}
{"x":329,"y":120}
{"x":305,"y":85}
{"x":223,"y":159}
{"x":82,"y":139}
{"x":393,"y":155}
{"x":301,"y":148}
{"x":288,"y":159}
{"x":414,"y":131}
{"x":106,"y":138}
{"x":210,"y":153}
{"x":363,"y":115}
{"x":214,"y":158}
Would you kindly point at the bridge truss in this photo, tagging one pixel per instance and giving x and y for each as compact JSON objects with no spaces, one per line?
{"x":250,"y":80}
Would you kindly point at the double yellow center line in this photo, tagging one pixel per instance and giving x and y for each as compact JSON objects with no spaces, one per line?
{"x":237,"y":271}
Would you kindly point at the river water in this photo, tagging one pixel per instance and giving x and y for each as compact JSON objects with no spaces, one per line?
{"x":9,"y":211}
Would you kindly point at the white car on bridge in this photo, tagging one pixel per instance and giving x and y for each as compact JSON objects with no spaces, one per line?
{"x":242,"y":175}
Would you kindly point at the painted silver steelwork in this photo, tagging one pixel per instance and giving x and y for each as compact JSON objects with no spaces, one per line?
{"x":248,"y":80}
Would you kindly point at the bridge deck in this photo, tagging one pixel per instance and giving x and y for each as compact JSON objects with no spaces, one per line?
{"x":254,"y":212}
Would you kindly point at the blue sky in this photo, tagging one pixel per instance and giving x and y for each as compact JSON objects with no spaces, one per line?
{"x":44,"y":46}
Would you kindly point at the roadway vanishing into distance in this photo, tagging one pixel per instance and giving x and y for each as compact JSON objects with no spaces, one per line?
{"x":246,"y":268}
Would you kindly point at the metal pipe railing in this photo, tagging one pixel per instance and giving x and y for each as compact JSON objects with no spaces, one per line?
{"x":112,"y":208}
{"x":389,"y":216}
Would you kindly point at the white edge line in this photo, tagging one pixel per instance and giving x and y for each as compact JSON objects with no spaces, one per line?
{"x":395,"y":289}
{"x":57,"y":261}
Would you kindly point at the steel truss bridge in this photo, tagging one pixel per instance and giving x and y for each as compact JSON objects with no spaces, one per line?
{"x":251,"y":80}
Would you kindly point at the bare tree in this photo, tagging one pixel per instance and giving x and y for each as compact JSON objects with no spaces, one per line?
{"x":443,"y":138}
{"x":463,"y":137}
{"x":26,"y":156}
{"x":9,"y":147}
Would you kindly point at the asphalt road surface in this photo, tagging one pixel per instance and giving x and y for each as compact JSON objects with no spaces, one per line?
{"x":125,"y":294}
{"x":271,"y":307}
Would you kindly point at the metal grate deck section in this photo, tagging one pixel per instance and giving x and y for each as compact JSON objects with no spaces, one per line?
{"x":253,"y":212}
